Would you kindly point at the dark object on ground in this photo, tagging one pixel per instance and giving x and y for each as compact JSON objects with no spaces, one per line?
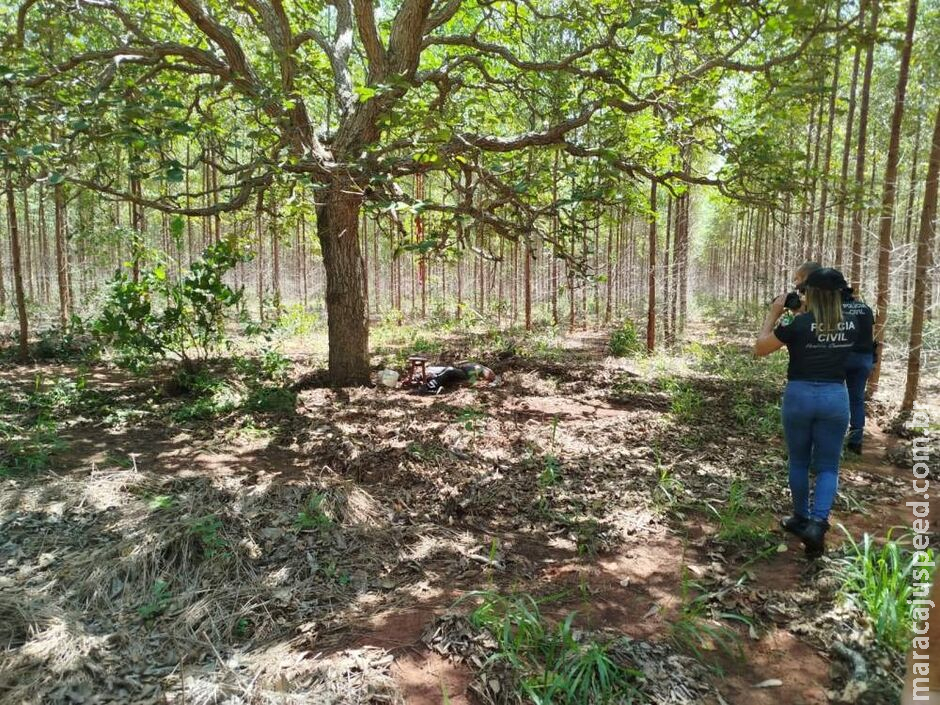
{"x":855,"y":448}
{"x":462,"y":372}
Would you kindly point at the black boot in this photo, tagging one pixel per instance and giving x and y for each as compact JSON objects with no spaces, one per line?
{"x":855,"y":448}
{"x":814,"y":537}
{"x":794,"y":524}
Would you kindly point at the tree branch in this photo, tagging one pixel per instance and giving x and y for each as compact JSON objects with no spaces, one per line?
{"x":375,"y":51}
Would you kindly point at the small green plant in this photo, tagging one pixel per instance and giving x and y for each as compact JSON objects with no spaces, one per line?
{"x":877,"y":580}
{"x":161,"y":501}
{"x":158,"y":603}
{"x":554,"y":665}
{"x":313,"y":516}
{"x":668,"y":488}
{"x":589,"y":537}
{"x":472,"y":418}
{"x":686,"y":402}
{"x":551,"y":471}
{"x":242,"y":628}
{"x":28,"y":447}
{"x":208,"y":530}
{"x":760,"y":418}
{"x":625,"y":341}
{"x":696,"y":631}
{"x":738,"y":520}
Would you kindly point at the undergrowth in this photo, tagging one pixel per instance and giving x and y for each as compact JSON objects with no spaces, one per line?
{"x":879,"y":580}
{"x":554,"y":663}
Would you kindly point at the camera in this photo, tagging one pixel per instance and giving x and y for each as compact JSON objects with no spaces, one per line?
{"x":793,"y":301}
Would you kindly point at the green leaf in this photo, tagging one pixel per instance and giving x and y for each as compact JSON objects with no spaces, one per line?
{"x":175,"y":174}
{"x":364,"y":93}
{"x":55,"y":178}
{"x":176,"y":226}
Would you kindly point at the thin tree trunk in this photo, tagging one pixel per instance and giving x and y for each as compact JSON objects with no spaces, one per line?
{"x":137,"y":216}
{"x":527,"y":274}
{"x":610,"y":270}
{"x":889,"y":193}
{"x":667,"y":273}
{"x":44,"y":260}
{"x":684,"y":259}
{"x":814,"y":177}
{"x":859,"y":189}
{"x":61,"y":254}
{"x":459,"y":310}
{"x":909,"y":214}
{"x":15,"y":255}
{"x":824,"y":196}
{"x":847,"y":147}
{"x":651,"y":276}
{"x":259,"y":236}
{"x":928,"y":225}
{"x":27,"y":246}
{"x":3,"y":288}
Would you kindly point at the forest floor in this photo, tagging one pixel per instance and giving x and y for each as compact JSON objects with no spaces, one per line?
{"x":255,"y":539}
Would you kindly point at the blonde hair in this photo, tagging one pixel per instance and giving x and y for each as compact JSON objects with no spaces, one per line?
{"x":808,"y":268}
{"x":826,"y":307}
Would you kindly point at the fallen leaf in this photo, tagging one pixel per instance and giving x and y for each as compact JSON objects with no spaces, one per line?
{"x":769,"y":683}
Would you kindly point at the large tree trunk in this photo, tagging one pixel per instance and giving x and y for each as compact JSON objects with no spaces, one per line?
{"x":889,"y":192}
{"x":17,"y":271}
{"x":921,"y":280}
{"x":337,"y":229}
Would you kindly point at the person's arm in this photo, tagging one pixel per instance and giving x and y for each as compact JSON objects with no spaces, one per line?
{"x":767,"y":342}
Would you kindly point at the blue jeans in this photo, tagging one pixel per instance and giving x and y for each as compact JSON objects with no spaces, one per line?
{"x":857,"y":369}
{"x":815,"y":416}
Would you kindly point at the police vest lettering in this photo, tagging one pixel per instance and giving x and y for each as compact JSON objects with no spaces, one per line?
{"x":837,"y":336}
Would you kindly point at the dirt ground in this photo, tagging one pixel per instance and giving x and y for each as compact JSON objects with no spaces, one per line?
{"x":307,"y":555}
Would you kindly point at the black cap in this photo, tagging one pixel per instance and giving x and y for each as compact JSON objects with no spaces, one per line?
{"x":827,"y":279}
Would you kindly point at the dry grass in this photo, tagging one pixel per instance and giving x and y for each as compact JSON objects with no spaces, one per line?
{"x":137,"y":574}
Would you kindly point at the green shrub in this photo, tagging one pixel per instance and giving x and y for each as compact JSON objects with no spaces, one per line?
{"x":271,"y":400}
{"x":625,"y":341}
{"x":155,"y":316}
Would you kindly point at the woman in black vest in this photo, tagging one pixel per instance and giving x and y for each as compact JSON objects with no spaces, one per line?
{"x":815,"y":402}
{"x":858,"y":367}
